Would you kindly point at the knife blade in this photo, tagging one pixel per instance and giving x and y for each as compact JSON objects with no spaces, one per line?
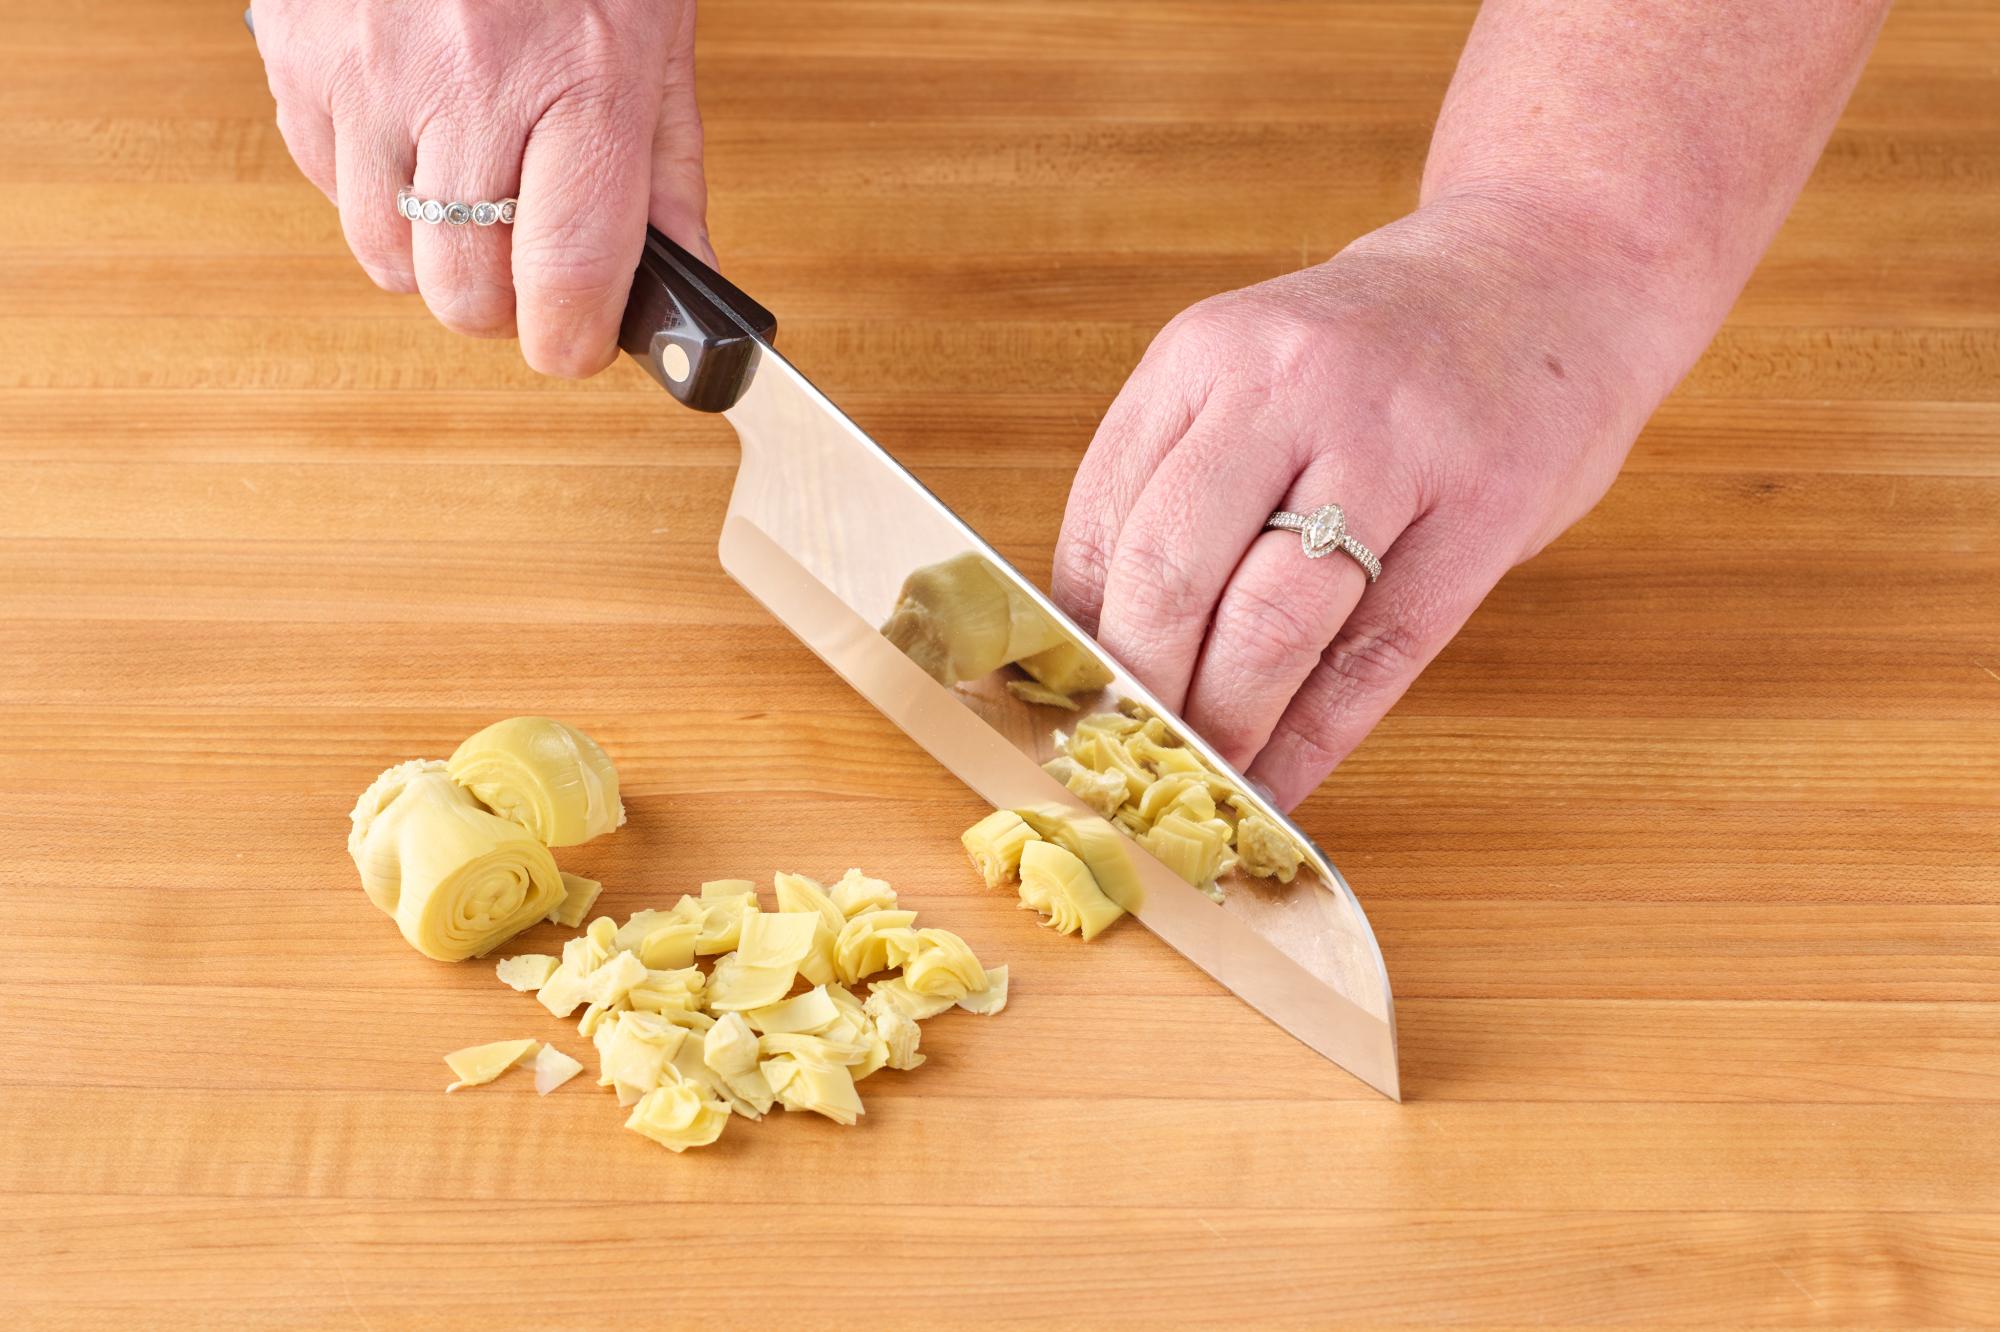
{"x":823,"y":528}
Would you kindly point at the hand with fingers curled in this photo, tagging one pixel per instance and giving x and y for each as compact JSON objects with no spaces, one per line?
{"x":584,"y":112}
{"x":1458,"y":388}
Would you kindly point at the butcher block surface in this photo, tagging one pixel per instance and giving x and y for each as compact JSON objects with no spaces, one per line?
{"x":1684,"y":858}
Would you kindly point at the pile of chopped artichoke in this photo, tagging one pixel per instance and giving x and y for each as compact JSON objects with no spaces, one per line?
{"x":684,"y":1049}
{"x":1131,"y":769}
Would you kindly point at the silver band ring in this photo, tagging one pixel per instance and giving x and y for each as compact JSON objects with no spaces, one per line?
{"x":1322,"y":532}
{"x":485,"y":213}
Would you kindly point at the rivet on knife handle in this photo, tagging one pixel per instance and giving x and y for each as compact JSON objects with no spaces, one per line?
{"x":691,"y":328}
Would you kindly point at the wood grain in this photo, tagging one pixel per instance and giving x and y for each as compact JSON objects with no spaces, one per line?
{"x":1685,"y":857}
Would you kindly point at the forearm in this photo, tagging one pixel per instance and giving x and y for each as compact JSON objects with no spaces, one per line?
{"x":1658,"y":143}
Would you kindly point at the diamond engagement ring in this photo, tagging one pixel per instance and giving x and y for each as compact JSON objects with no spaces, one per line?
{"x":1324,"y":531}
{"x":434,"y":211}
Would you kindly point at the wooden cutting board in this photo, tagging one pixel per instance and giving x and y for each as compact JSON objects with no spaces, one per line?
{"x":1683,"y":857}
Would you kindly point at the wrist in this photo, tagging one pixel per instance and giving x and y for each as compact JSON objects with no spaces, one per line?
{"x":1644,"y":298}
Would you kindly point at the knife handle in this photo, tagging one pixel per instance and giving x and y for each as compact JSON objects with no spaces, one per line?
{"x":691,"y":328}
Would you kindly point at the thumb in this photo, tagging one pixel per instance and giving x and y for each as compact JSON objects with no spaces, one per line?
{"x":679,"y":202}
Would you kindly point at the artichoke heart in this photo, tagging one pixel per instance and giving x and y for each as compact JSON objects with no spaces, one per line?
{"x":1058,"y":884}
{"x":995,"y":843}
{"x":961,"y":618}
{"x":1066,"y":669}
{"x":458,"y":880}
{"x":1098,"y":845}
{"x":550,"y":778}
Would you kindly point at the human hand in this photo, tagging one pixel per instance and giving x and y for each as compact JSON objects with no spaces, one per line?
{"x":1464,"y":387}
{"x":583,"y":110}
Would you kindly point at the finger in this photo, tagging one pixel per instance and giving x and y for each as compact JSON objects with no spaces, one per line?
{"x":1438,"y":576}
{"x":307,"y":131}
{"x":580,"y":228}
{"x":1143,"y":424}
{"x":1200,"y":510}
{"x":679,"y":198}
{"x":372,"y":162}
{"x":1280,"y":608}
{"x":465,"y":270}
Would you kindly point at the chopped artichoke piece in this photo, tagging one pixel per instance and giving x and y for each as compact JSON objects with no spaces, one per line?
{"x":1097,"y":845}
{"x":579,"y":894}
{"x":1030,"y":691}
{"x":526,"y":971}
{"x":1059,"y":885}
{"x":549,"y":778}
{"x":1190,"y":847}
{"x":869,"y":943}
{"x":722,"y":918}
{"x":778,"y":938}
{"x":675,"y":990}
{"x":944,"y":966}
{"x":995,"y":843}
{"x":457,"y":880}
{"x":897,"y":996}
{"x":735,"y":985}
{"x":811,"y":1013}
{"x":672,"y":945}
{"x":730,"y":1047}
{"x":1265,"y":850}
{"x":1067,"y":668}
{"x":716,"y":889}
{"x":856,"y":894}
{"x":806,"y":1084}
{"x":477,"y":1064}
{"x":798,"y":893}
{"x":991,"y":999}
{"x":748,"y":1094}
{"x":638,"y":1050}
{"x":762,"y":969}
{"x":845,"y":1047}
{"x":1104,"y":792}
{"x":901,"y":1034}
{"x":595,"y":1015}
{"x":611,"y":982}
{"x":552,"y":1069}
{"x":678,"y":1116}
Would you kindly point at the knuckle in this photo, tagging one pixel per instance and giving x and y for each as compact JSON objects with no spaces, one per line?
{"x":1309,"y":753}
{"x":476,"y":309}
{"x":1082,"y":562}
{"x":571,"y":274}
{"x":567,"y":360}
{"x":1273,"y":637}
{"x":389,"y":276}
{"x":1156,"y":585}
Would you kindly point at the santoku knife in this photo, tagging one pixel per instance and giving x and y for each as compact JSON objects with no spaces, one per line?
{"x":823,"y":527}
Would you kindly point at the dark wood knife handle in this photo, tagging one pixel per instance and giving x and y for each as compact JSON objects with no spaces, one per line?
{"x":691,"y":328}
